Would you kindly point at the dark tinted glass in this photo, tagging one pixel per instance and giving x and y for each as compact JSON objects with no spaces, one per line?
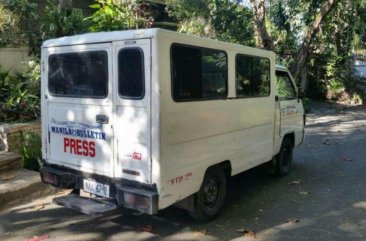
{"x":83,"y":74}
{"x":131,"y":73}
{"x":198,"y":73}
{"x":252,"y":76}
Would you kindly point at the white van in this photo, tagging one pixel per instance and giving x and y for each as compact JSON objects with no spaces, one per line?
{"x":149,"y":118}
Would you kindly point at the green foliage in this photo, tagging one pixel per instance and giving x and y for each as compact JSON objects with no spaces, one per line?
{"x":31,"y":151}
{"x":59,"y":22}
{"x":20,"y":94}
{"x":8,"y":26}
{"x":306,"y":104}
{"x":219,"y":19}
{"x":360,"y":23}
{"x":21,"y":23}
{"x":112,"y":15}
{"x":282,"y":88}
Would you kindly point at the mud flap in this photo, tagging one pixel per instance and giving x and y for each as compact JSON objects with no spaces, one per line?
{"x":90,"y":206}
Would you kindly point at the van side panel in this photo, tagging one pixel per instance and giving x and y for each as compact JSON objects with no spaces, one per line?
{"x":198,"y":134}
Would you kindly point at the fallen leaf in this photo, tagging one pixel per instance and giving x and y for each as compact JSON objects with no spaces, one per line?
{"x":147,"y":228}
{"x":293,"y":220}
{"x":326,"y":142}
{"x":39,"y":207}
{"x":344,"y":158}
{"x":247,"y":232}
{"x":39,"y":238}
{"x":67,"y":191}
{"x":8,"y":176}
{"x":295,"y":182}
{"x":304,"y":193}
{"x":199,"y":234}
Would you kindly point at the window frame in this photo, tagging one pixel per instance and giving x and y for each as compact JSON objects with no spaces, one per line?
{"x":83,"y":96}
{"x":143,"y":74}
{"x":225,"y":96}
{"x":236,"y":80}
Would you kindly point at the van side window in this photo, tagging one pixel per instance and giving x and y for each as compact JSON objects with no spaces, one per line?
{"x":83,"y":74}
{"x":285,"y":87}
{"x":198,"y":73}
{"x":131,"y":73}
{"x":252,"y":76}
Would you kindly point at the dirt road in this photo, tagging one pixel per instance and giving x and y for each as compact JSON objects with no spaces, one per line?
{"x":324,"y":198}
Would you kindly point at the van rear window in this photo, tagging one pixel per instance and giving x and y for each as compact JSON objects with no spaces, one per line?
{"x":83,"y":74}
{"x":131,"y":73}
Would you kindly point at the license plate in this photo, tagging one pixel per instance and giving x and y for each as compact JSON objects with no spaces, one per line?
{"x":96,"y":188}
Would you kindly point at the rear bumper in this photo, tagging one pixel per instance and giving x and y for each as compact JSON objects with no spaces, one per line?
{"x":127,"y":194}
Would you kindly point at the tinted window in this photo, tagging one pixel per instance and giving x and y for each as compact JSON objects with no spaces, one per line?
{"x":198,"y":73}
{"x":131,"y":73}
{"x":252,"y":76}
{"x":83,"y":74}
{"x":286,"y":89}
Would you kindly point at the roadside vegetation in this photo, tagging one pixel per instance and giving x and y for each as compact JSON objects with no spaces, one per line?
{"x":316,"y":40}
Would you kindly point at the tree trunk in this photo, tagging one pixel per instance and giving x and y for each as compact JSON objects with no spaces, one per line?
{"x":262,"y":38}
{"x":303,"y":53}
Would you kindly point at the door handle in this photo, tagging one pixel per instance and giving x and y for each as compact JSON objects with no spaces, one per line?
{"x":102,"y":119}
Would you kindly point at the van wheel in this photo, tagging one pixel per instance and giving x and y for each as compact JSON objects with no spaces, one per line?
{"x":284,"y":158}
{"x":208,"y":201}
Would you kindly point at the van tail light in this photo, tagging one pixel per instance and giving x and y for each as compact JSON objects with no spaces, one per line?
{"x":138,"y":199}
{"x":49,"y":178}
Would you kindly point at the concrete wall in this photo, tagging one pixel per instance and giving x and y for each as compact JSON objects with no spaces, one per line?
{"x":12,"y":135}
{"x":13,"y":58}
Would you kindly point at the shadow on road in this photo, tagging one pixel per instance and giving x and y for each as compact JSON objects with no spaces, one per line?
{"x":324,"y":198}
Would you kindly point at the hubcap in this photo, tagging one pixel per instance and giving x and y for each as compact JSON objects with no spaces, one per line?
{"x":211,"y":191}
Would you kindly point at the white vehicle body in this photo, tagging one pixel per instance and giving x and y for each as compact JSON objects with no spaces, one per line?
{"x":156,"y":145}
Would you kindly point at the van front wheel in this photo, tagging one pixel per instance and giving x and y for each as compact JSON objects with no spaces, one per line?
{"x":284,"y":158}
{"x":211,"y":196}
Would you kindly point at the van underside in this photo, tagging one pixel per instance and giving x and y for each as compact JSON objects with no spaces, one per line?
{"x":122,"y":192}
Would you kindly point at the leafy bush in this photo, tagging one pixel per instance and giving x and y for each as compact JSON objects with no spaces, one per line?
{"x":20,"y":93}
{"x":31,"y":151}
{"x":112,"y":15}
{"x":59,"y":22}
{"x":19,"y":24}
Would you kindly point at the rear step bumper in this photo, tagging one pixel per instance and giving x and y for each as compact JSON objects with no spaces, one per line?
{"x":126,"y":196}
{"x":85,"y":205}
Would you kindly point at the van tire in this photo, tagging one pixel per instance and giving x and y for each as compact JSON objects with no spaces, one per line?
{"x":208,"y":201}
{"x":284,"y":158}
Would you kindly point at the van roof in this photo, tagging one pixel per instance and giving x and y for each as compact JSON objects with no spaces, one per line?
{"x":105,"y":37}
{"x":101,"y":37}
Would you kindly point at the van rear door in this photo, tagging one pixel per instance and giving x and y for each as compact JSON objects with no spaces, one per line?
{"x":132,"y":127}
{"x":78,"y":107}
